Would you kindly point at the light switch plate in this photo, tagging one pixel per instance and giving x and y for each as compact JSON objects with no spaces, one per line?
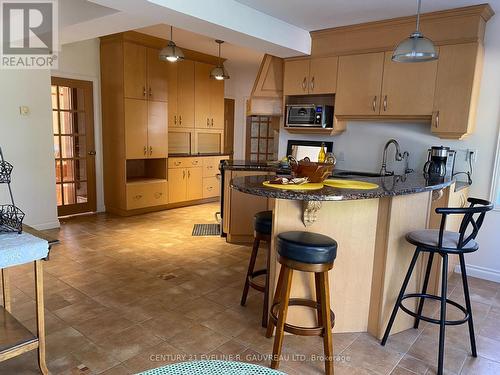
{"x":24,"y":110}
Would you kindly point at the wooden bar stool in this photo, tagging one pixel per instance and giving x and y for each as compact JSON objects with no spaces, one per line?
{"x":443,"y":242}
{"x":263,"y":222}
{"x":306,"y":252}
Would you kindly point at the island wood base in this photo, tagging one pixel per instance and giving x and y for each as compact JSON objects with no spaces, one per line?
{"x":372,"y":258}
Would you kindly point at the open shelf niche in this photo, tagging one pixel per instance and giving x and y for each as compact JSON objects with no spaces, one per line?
{"x":146,"y":170}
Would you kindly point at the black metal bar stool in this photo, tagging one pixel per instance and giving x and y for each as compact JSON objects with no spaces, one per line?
{"x":262,"y":232}
{"x":306,"y":252}
{"x":444,"y":243}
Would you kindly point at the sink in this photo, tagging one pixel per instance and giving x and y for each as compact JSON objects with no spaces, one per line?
{"x":355,"y":173}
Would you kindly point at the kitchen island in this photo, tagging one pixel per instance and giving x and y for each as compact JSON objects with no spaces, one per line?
{"x":373,"y":255}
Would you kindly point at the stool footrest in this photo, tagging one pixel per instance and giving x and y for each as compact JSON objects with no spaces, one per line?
{"x":432,"y":320}
{"x":257,"y":286}
{"x":298,"y":330}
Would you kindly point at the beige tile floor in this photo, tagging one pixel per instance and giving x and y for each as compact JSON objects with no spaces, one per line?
{"x":128,"y":294}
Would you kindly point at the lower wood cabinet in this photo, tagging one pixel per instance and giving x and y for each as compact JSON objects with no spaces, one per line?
{"x":194,"y":183}
{"x":211,"y":187}
{"x":146,"y":194}
{"x":177,"y":184}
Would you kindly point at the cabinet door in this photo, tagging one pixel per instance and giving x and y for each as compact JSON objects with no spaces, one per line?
{"x":408,"y":89}
{"x":136,"y":128}
{"x":359,"y":84}
{"x":457,"y":89}
{"x":185,"y":94}
{"x":194,"y":183}
{"x":216,"y":104}
{"x":177,"y":183}
{"x":134,"y":70}
{"x":211,"y":187}
{"x":172,"y":95}
{"x":296,"y":79}
{"x":202,"y":94}
{"x":157,"y":130}
{"x":157,"y":76}
{"x":323,"y":75}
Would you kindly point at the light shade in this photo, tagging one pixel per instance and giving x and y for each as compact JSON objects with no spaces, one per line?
{"x":171,"y":53}
{"x":416,"y":48}
{"x":219,"y":73}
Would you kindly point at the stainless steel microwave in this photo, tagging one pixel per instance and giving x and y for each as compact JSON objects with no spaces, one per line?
{"x":309,"y":115}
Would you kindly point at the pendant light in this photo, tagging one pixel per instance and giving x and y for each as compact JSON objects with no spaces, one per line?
{"x":219,"y":72}
{"x":171,"y":52}
{"x":416,"y":48}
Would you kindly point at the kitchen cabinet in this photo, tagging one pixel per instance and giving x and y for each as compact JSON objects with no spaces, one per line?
{"x":209,"y":98}
{"x":457,"y":90}
{"x":407,"y":89}
{"x":146,"y":133}
{"x":310,"y":76}
{"x":177,"y":185}
{"x":146,"y":194}
{"x":359,"y":84}
{"x":194,"y":183}
{"x":181,"y":83}
{"x":145,"y":76}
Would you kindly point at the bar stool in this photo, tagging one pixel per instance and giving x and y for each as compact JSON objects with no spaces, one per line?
{"x":306,"y":252}
{"x":444,"y":243}
{"x":262,"y":232}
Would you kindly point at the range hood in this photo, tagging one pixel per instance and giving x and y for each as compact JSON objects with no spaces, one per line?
{"x":267,"y":93}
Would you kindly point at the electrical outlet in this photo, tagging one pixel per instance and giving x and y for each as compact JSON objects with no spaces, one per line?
{"x":24,"y":110}
{"x":471,"y":155}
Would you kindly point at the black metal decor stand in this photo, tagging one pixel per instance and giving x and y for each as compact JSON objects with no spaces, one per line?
{"x":11,"y":217}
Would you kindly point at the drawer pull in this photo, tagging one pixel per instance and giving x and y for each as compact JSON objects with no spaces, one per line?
{"x":195,"y":162}
{"x":138,"y":196}
{"x":158,"y":195}
{"x":374,"y":103}
{"x":177,"y":163}
{"x":145,"y":151}
{"x":210,"y":188}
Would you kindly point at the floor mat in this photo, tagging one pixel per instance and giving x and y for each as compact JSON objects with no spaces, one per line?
{"x":206,"y":230}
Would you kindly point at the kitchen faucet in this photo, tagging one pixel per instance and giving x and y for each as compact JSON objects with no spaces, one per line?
{"x":398,"y":157}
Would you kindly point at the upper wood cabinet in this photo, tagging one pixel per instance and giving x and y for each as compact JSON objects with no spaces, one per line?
{"x":359,"y":84}
{"x":457,"y":90}
{"x":145,"y":76}
{"x":181,"y":94}
{"x":209,"y":98}
{"x":146,"y":132}
{"x":407,"y":89}
{"x":310,"y":76}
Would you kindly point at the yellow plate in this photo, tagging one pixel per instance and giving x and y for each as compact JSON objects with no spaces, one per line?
{"x":350,"y":184}
{"x":308,"y":186}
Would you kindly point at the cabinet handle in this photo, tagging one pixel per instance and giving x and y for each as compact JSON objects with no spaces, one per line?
{"x":209,"y":188}
{"x":374,"y":103}
{"x":212,"y":123}
{"x":195,"y":162}
{"x":145,"y":151}
{"x":208,"y":123}
{"x":176,"y":163}
{"x":183,"y":174}
{"x":137,"y":197}
{"x":150,"y":92}
{"x":436,"y":123}
{"x":180,"y":120}
{"x":144,"y":91}
{"x":385,"y":103}
{"x":158,"y":195}
{"x":304,"y":83}
{"x":175,"y":119}
{"x":312,"y":84}
{"x":189,"y":174}
{"x":150,"y":150}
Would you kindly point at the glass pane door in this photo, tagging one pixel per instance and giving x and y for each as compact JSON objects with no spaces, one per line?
{"x":73,"y":145}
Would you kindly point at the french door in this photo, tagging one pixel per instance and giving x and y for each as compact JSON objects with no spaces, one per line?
{"x":74,"y":149}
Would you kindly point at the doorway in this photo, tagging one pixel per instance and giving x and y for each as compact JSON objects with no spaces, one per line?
{"x":74,"y":149}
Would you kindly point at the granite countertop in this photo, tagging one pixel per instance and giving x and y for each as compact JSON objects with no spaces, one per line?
{"x":388,"y":186}
{"x":243,"y":165}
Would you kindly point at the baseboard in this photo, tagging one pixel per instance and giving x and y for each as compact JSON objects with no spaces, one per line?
{"x":481,"y":272}
{"x":44,"y":226}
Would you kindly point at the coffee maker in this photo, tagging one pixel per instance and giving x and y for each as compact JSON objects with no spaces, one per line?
{"x":437,"y":164}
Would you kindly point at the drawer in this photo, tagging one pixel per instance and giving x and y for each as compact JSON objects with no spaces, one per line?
{"x":211,"y":166}
{"x":184,"y":162}
{"x":147,"y":194}
{"x":211,"y":187}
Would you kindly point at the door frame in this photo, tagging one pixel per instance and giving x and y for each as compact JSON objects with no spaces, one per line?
{"x":227,"y":126}
{"x":89,"y":85}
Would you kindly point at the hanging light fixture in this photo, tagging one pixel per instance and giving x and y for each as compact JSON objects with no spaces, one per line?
{"x":219,"y":72}
{"x":171,"y":52}
{"x":416,"y":48}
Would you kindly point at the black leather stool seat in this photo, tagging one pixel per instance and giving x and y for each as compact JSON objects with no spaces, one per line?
{"x":306,"y":247}
{"x":263,"y":222}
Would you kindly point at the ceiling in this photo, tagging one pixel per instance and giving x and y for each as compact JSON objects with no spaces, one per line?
{"x":205,"y":44}
{"x":322,"y":14}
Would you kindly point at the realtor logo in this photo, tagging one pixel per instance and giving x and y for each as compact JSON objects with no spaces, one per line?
{"x":29,"y":34}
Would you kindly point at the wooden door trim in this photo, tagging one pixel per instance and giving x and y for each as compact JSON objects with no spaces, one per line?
{"x":88,"y":90}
